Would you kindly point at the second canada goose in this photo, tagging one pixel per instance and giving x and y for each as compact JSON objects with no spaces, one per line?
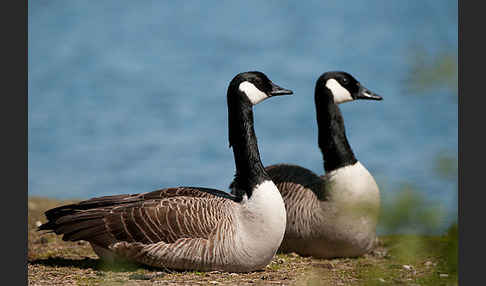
{"x":334,"y":215}
{"x":192,"y":228}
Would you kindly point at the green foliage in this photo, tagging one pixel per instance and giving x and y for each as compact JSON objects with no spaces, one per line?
{"x":446,"y":166}
{"x":417,"y":259}
{"x":451,"y":249}
{"x":410,"y":212}
{"x":429,"y":71}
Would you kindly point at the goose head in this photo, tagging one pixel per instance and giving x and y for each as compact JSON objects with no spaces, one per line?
{"x":244,"y":91}
{"x":253,"y":87}
{"x":343,"y":87}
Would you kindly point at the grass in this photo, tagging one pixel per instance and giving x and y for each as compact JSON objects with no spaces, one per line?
{"x":396,"y":260}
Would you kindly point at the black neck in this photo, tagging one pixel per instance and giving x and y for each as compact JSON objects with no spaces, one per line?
{"x":333,"y":143}
{"x":249,"y":168}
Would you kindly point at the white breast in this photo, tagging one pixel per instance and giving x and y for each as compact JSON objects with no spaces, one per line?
{"x":352,"y":186}
{"x":263,"y":219}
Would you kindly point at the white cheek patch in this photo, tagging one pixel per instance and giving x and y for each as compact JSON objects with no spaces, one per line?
{"x":252,"y":92}
{"x":339,"y":93}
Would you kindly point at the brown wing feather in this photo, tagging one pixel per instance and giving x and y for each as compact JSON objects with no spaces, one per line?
{"x":164,"y":215}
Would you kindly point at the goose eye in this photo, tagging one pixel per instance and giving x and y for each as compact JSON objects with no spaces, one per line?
{"x":344,"y":81}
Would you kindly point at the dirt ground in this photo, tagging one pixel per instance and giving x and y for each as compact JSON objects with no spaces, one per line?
{"x":397,"y":260}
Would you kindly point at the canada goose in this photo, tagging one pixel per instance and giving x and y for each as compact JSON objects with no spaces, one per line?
{"x":192,"y":228}
{"x":334,"y":215}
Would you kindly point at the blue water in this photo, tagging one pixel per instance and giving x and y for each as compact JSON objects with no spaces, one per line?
{"x":130,"y":96}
